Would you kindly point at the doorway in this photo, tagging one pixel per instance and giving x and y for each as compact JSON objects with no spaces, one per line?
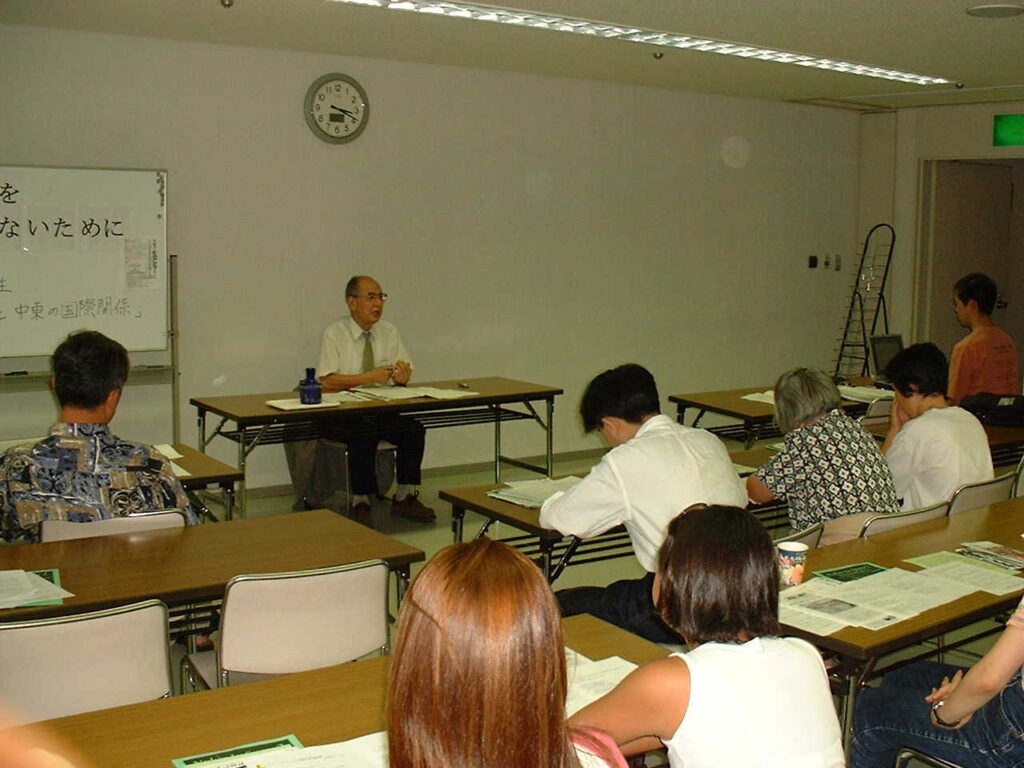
{"x":971,"y":221}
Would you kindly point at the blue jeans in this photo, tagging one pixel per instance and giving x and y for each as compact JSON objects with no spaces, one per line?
{"x":896,"y":715}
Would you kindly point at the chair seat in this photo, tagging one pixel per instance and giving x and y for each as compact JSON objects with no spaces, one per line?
{"x":204,"y":666}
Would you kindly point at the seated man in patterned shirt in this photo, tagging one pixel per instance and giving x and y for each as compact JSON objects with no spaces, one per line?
{"x":82,"y":472}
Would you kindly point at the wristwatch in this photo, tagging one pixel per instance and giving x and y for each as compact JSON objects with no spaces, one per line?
{"x":938,"y":720}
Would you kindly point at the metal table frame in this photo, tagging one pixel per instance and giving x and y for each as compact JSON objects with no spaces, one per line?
{"x":271,"y":426}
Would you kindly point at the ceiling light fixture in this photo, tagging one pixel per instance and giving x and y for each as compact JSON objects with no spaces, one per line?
{"x":477,"y":12}
{"x":996,"y":10}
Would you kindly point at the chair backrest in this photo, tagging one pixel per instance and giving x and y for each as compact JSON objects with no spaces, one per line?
{"x":877,"y":412}
{"x":974,"y":495}
{"x":1018,"y":479}
{"x":70,"y":664}
{"x":890,"y":522}
{"x":911,"y":758}
{"x":62,"y":530}
{"x":278,"y":623}
{"x":810,"y":536}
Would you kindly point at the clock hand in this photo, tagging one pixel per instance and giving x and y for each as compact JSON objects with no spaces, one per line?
{"x":345,"y":112}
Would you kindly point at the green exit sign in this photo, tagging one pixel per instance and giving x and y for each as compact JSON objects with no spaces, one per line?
{"x":1008,"y":131}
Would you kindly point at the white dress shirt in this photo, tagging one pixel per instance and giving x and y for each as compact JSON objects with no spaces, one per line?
{"x":936,"y":453}
{"x":341,"y":347}
{"x":644,"y":483}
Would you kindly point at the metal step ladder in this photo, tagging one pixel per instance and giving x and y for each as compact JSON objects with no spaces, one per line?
{"x":867,"y":302}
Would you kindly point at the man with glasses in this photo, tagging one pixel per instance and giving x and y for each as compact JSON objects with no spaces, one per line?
{"x":363,"y":349}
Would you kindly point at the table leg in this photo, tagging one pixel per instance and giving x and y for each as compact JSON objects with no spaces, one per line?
{"x":753,"y":432}
{"x":229,"y":500}
{"x":546,"y":547}
{"x":497,"y":444}
{"x":401,"y":584}
{"x":201,"y":426}
{"x":550,"y":429}
{"x":458,"y":519}
{"x":563,"y":561}
{"x":699,"y":416}
{"x":242,"y":453}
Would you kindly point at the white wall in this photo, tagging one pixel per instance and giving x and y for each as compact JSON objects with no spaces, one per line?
{"x":531,"y":227}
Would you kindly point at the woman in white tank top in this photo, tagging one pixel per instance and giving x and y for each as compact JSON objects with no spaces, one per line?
{"x":742,"y":696}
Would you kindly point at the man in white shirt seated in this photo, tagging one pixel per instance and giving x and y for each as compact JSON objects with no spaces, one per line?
{"x":655,"y":470}
{"x":932,"y":448}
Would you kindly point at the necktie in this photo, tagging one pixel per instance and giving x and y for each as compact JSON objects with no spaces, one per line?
{"x":367,"y":353}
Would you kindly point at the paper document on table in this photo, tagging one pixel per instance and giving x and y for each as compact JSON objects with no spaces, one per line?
{"x":827,"y":599}
{"x":15,"y":585}
{"x":21,"y":588}
{"x":594,"y":680}
{"x":988,"y":551}
{"x":533,"y":493}
{"x":180,"y":471}
{"x":347,"y":396}
{"x":864,"y":394}
{"x":981,"y":579}
{"x":445,"y":394}
{"x":574,"y":659}
{"x":294,"y":404}
{"x":408,"y":393}
{"x":743,"y":469}
{"x":168,"y":451}
{"x":370,"y":751}
{"x":933,"y":559}
{"x":903,"y":593}
{"x":808,"y":622}
{"x":768,"y":396}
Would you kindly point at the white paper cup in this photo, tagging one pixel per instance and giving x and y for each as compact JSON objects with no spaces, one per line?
{"x":792,"y":555}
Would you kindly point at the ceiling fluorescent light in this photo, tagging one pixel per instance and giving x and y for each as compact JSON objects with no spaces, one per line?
{"x":456,"y":9}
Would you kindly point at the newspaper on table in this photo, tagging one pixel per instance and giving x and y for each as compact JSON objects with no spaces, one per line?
{"x":768,"y":397}
{"x":864,"y":394}
{"x":408,"y":393}
{"x":990,"y":552}
{"x":533,"y":493}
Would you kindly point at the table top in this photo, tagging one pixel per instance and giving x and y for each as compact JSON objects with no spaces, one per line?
{"x":730,"y":402}
{"x":475,"y":499}
{"x":195,"y":563}
{"x":493,"y":390}
{"x":320,"y":707}
{"x":204,"y":469}
{"x":998,"y":437}
{"x":1002,"y":523}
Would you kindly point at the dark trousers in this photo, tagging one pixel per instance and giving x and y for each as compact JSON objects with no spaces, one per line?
{"x":407,"y":434}
{"x":627,"y":604}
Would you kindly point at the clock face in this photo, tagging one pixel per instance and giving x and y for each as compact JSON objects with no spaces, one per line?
{"x":336,"y":108}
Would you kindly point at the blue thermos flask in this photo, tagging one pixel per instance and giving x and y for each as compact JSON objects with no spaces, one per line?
{"x":311,"y":391}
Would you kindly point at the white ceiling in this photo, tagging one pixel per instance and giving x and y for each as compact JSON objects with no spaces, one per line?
{"x":931,"y":37}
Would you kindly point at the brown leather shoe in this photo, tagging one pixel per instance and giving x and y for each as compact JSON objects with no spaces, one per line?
{"x":362,"y":513}
{"x":413,"y":509}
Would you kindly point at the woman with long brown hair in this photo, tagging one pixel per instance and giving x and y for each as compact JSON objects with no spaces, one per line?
{"x":478,"y":673}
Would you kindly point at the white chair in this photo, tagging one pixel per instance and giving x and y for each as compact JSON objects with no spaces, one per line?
{"x":1018,"y":479}
{"x":974,"y":495}
{"x":890,"y":522}
{"x":877,"y":412}
{"x":278,"y":623}
{"x":70,"y":664}
{"x":811,"y":536}
{"x":62,"y":530}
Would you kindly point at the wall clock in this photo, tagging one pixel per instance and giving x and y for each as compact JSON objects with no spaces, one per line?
{"x":336,"y":108}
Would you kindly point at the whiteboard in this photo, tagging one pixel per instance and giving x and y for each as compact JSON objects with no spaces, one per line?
{"x":82,"y":248}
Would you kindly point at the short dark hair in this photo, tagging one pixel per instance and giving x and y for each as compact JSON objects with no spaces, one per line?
{"x":87,"y":367}
{"x":352,"y":286}
{"x":920,"y":368}
{"x":981,"y":288}
{"x":719,"y":577}
{"x":627,"y":392}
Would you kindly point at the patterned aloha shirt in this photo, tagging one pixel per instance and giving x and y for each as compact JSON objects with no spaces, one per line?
{"x":82,"y":472}
{"x":829,"y":469}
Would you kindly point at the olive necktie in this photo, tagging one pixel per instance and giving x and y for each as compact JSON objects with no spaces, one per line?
{"x":367,"y":353}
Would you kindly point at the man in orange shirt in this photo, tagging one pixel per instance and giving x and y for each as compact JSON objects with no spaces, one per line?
{"x":986,"y":359}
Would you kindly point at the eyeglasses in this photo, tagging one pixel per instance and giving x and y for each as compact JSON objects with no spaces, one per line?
{"x":373,"y":296}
